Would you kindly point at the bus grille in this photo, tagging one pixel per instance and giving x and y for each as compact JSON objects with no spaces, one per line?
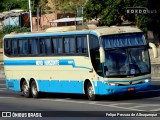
{"x":130,"y":84}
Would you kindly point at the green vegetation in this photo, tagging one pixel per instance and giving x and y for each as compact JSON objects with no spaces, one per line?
{"x":6,"y":5}
{"x":113,"y":12}
{"x":67,"y":6}
{"x":9,"y":28}
{"x":110,"y":12}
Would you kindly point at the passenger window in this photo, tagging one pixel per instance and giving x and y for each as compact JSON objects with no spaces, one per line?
{"x":14,"y":47}
{"x":93,"y":42}
{"x":69,"y":45}
{"x":81,"y":45}
{"x":33,"y":46}
{"x":7,"y":47}
{"x":23,"y":47}
{"x":45,"y":46}
{"x":66,"y":45}
{"x":57,"y":44}
{"x":60,"y":45}
{"x":72,"y":45}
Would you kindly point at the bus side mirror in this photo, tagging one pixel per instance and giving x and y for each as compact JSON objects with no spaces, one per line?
{"x":154,"y":48}
{"x":102,"y":55}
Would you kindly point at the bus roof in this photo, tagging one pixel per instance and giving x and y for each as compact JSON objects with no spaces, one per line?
{"x":117,"y":30}
{"x":70,"y":30}
{"x":100,"y":30}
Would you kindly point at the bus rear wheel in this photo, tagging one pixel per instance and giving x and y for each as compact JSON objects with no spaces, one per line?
{"x":90,"y":92}
{"x":34,"y":90}
{"x":26,"y":90}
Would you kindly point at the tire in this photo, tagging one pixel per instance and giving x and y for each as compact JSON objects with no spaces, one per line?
{"x":26,"y":90}
{"x":90,"y":92}
{"x":34,"y":90}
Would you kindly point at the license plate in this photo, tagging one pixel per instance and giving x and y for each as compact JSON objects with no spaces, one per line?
{"x":131,"y":89}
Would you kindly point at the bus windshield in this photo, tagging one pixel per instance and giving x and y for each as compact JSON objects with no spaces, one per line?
{"x":126,"y":61}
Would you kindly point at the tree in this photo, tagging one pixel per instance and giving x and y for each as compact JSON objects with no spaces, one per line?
{"x":112,"y":12}
{"x":69,"y":6}
{"x":6,"y":5}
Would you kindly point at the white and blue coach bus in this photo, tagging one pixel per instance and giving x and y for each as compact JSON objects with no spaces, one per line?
{"x":102,"y":61}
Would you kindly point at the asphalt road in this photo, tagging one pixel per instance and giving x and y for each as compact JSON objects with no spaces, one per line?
{"x":77,"y":107}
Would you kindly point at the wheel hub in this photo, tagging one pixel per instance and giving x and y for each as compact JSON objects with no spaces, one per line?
{"x":34,"y":90}
{"x":25,"y":89}
{"x":90,"y":91}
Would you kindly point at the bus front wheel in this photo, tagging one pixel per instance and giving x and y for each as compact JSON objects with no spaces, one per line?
{"x":90,"y":92}
{"x":26,"y":90}
{"x":34,"y":90}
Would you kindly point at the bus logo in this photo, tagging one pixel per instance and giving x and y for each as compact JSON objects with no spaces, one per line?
{"x":133,"y":71}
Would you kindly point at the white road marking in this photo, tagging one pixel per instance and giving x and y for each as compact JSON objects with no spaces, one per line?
{"x":8,"y":97}
{"x":144,"y":105}
{"x":158,"y":109}
{"x":98,"y":104}
{"x":121,"y":104}
{"x":92,"y":103}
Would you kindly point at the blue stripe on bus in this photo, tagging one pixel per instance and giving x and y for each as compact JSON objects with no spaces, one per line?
{"x":104,"y":89}
{"x":43,"y":63}
{"x":75,"y":86}
{"x":62,"y":86}
{"x":52,"y":34}
{"x":19,"y":62}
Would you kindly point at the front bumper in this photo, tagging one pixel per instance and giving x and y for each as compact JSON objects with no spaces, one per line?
{"x":104,"y":89}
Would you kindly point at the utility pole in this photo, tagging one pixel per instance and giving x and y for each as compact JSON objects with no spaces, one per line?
{"x":38,"y":18}
{"x":30,"y":13}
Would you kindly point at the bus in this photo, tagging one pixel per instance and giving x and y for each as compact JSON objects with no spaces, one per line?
{"x":95,"y":62}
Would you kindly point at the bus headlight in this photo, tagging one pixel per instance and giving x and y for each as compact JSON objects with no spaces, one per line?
{"x":147,"y":80}
{"x":111,"y":84}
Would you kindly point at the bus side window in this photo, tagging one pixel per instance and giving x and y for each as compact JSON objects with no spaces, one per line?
{"x":72,"y":45}
{"x":14,"y":47}
{"x":60,"y":45}
{"x":45,"y":46}
{"x":81,"y":46}
{"x":23,"y":47}
{"x":94,"y":53}
{"x":66,"y":45}
{"x":98,"y":65}
{"x":93,"y":42}
{"x":7,"y":47}
{"x":54,"y":44}
{"x":42,"y":47}
{"x":69,"y":45}
{"x":33,"y":46}
{"x":57,"y":44}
